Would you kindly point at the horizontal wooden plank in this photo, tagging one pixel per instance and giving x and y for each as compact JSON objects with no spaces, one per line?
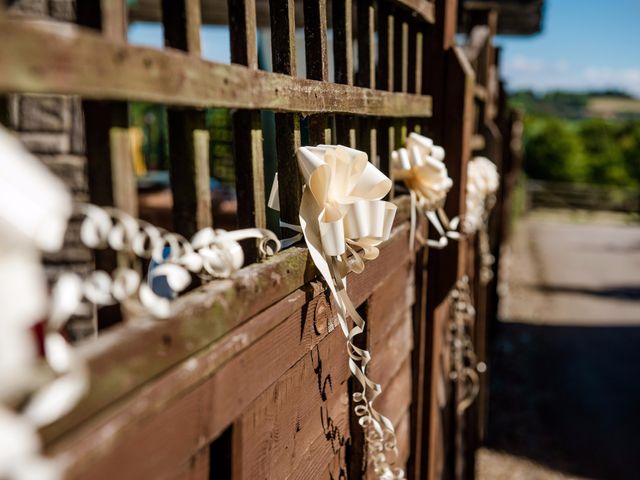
{"x":214,"y":12}
{"x":40,"y":58}
{"x":301,"y":421}
{"x":389,"y":303}
{"x":388,"y":356}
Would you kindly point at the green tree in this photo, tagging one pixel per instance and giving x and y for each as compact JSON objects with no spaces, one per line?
{"x":553,"y":151}
{"x":604,"y":157}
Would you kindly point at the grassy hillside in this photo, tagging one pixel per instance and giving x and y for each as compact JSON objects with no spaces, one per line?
{"x":583,"y":138}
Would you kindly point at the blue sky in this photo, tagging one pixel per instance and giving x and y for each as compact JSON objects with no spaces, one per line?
{"x":584,"y":44}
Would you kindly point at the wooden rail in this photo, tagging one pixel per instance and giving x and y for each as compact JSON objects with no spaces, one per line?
{"x":37,"y":58}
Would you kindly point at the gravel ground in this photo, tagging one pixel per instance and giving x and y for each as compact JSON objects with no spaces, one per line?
{"x":565,"y":381}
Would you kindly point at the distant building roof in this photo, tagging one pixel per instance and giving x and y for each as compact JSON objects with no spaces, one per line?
{"x":515,"y":17}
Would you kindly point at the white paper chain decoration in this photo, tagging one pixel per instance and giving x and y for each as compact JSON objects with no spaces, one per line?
{"x":421,"y":166}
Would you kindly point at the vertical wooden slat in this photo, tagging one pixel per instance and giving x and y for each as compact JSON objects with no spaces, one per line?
{"x":191,"y":203}
{"x":283,"y":41}
{"x":343,"y":63}
{"x":202,"y":177}
{"x":343,"y":41}
{"x":317,"y":61}
{"x":415,"y":57}
{"x":400,"y":54}
{"x":366,"y":44}
{"x":124,"y":181}
{"x":99,"y":119}
{"x":242,"y":30}
{"x":247,"y":126}
{"x":386,"y":130}
{"x":400,"y":71}
{"x":114,"y":19}
{"x":365,"y":11}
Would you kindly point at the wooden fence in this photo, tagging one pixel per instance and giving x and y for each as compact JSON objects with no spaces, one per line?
{"x":250,"y":378}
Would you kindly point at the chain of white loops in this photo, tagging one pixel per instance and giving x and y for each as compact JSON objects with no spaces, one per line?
{"x":210,"y":254}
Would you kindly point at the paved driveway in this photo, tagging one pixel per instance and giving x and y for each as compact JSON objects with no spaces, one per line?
{"x":565,"y":384}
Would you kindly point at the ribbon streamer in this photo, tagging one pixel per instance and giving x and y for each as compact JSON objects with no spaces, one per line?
{"x":464,"y":363}
{"x":420,"y":165}
{"x":344,"y":219}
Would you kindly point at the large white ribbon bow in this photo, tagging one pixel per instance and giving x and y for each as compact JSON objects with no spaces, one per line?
{"x":420,"y":165}
{"x":342,"y":210}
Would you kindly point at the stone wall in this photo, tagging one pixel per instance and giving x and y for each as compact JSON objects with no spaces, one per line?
{"x":51,"y":127}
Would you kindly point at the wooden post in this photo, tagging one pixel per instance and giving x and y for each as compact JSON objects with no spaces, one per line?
{"x":316,"y":54}
{"x":367,"y":138}
{"x":386,"y":131}
{"x":104,"y":162}
{"x":283,"y":47}
{"x":247,"y":126}
{"x":191,"y":203}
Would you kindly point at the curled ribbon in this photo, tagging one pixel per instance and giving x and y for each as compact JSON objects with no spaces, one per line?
{"x":420,"y":165}
{"x":464,"y":362}
{"x":210,"y":254}
{"x":342,"y":210}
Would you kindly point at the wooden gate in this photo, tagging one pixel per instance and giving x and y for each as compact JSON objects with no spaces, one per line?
{"x":249,"y":379}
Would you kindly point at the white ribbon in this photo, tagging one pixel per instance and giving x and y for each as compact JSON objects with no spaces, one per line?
{"x":483,"y":181}
{"x":342,"y":210}
{"x":210,"y":254}
{"x":463,"y":362}
{"x":420,"y":165}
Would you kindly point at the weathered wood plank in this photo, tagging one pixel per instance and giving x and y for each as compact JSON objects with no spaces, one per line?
{"x":388,"y":304}
{"x":197,"y":468}
{"x":388,"y":355}
{"x":299,"y":423}
{"x":126,"y":357}
{"x":36,"y":59}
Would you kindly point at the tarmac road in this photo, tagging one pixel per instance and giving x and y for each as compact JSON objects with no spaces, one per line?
{"x":565,"y":372}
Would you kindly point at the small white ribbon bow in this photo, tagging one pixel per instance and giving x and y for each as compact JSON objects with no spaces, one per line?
{"x":482,"y":184}
{"x":420,"y":165}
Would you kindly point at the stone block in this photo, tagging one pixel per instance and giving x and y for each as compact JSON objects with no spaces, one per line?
{"x":43,"y":113}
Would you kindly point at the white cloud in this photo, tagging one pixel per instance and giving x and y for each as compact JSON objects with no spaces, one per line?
{"x":530,"y":73}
